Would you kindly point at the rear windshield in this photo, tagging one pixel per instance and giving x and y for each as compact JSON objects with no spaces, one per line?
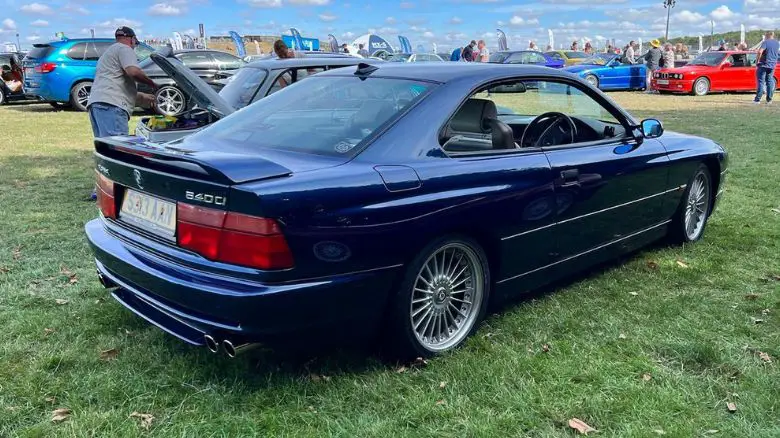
{"x":239,"y":92}
{"x":330,"y":116}
{"x":576,"y":55}
{"x":39,"y":52}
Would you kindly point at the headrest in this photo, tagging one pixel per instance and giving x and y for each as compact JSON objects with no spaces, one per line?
{"x":471,"y":115}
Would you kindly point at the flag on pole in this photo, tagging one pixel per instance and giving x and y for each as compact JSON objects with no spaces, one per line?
{"x":334,"y":43}
{"x":550,"y":37}
{"x":297,"y":38}
{"x":502,"y":43}
{"x":239,"y":43}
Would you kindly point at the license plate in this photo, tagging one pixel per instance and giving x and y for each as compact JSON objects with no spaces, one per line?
{"x":149,"y":212}
{"x":662,"y":82}
{"x":28,"y":71}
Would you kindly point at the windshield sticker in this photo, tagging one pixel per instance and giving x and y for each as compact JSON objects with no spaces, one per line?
{"x":343,"y":147}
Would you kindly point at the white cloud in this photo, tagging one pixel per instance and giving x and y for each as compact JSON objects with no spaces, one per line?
{"x":309,"y":2}
{"x":327,"y":17}
{"x":265,"y":3}
{"x":688,"y":17}
{"x":75,"y":9}
{"x":8,"y":25}
{"x":390,"y":20}
{"x":33,"y":38}
{"x":456,"y":20}
{"x":517,"y":20}
{"x":722,"y":13}
{"x":39,"y":23}
{"x":36,"y":8}
{"x":165,"y":10}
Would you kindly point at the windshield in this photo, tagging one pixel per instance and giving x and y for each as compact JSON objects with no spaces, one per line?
{"x":601,"y":59}
{"x":710,"y":59}
{"x":142,"y":51}
{"x":399,"y":57}
{"x":239,"y":92}
{"x":576,"y":55}
{"x":40,"y":51}
{"x":499,"y":57}
{"x":330,"y":116}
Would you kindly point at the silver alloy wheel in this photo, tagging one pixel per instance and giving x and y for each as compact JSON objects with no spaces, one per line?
{"x":701,"y":87}
{"x":170,"y":101}
{"x":447,"y":297}
{"x":697,"y":206}
{"x":82,"y":95}
{"x":593,"y":80}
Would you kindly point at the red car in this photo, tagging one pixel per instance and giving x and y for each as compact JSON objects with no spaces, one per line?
{"x":711,"y":71}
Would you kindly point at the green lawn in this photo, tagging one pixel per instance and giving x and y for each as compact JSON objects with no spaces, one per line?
{"x":656,"y":345}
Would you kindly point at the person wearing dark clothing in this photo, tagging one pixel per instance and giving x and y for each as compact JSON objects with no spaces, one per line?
{"x":765,"y":68}
{"x":653,"y":61}
{"x":468,"y":52}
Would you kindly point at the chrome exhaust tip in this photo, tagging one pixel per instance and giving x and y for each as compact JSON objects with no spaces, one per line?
{"x":211,"y":343}
{"x":234,"y":350}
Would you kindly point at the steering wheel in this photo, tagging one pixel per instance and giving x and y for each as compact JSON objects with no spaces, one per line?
{"x":550,"y":123}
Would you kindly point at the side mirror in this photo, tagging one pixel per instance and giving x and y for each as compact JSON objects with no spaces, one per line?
{"x":651,"y":128}
{"x":726,"y":65}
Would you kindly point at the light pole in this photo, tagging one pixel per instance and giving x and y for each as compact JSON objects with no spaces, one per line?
{"x":18,"y":44}
{"x":668,"y":4}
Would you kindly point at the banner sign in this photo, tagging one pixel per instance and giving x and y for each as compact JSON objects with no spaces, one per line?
{"x":189,"y":43}
{"x":502,"y":43}
{"x":311,"y":44}
{"x":334,"y":43}
{"x":550,"y":37}
{"x":178,"y":41}
{"x":202,"y":30}
{"x":406,"y":46}
{"x":741,"y":33}
{"x":239,"y":43}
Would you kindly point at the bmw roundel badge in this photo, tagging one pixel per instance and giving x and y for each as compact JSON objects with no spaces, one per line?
{"x":332,"y":251}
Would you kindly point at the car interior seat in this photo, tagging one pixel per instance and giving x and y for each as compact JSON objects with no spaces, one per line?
{"x":475,"y":127}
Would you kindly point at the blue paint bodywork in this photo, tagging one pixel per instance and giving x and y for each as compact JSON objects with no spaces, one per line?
{"x":354,"y":225}
{"x":612,"y":75}
{"x":56,"y":86}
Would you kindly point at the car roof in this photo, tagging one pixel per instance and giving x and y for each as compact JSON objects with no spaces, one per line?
{"x":443,"y":72}
{"x":276,"y":63}
{"x":79,"y":40}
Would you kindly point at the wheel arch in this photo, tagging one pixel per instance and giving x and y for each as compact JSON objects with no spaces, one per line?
{"x":713,"y":165}
{"x":693,"y":84}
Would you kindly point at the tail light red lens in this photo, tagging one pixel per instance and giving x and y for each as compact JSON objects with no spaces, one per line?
{"x":105,"y":196}
{"x":46,"y":67}
{"x":233,"y":238}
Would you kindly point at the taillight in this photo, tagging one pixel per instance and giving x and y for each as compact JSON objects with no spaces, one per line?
{"x":45,"y":67}
{"x":105,"y":196}
{"x":233,"y":238}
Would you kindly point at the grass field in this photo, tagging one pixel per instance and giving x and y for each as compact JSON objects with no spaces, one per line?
{"x":657,"y":345}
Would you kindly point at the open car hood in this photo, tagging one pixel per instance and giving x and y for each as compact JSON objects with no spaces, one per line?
{"x":193,"y":86}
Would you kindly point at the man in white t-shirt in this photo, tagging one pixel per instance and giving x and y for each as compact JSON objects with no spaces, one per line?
{"x":114,"y":94}
{"x":484,"y":53}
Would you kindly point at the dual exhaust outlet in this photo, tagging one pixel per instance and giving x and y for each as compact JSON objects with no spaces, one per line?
{"x":230,"y":349}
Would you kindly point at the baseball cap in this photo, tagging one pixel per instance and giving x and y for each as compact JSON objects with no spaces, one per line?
{"x":124,"y":31}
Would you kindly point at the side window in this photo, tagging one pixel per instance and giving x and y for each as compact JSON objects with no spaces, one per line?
{"x":292,"y":76}
{"x":196,"y":60}
{"x":95,"y":50}
{"x":751,"y":59}
{"x":227,"y":61}
{"x":537,"y":58}
{"x":505,"y":118}
{"x":517,"y":58}
{"x":77,"y":52}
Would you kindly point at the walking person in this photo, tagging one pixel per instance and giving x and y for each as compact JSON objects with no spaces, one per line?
{"x":114,"y":93}
{"x":652,"y":61}
{"x":765,"y":68}
{"x":630,"y":53}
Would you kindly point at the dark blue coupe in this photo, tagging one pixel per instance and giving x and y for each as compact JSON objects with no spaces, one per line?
{"x":399,"y":199}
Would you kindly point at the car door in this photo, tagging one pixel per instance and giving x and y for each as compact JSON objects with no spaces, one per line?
{"x":201,"y":63}
{"x":738,"y":74}
{"x":609,"y":185}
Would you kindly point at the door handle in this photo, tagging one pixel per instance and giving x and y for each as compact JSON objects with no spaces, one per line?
{"x":570,"y":178}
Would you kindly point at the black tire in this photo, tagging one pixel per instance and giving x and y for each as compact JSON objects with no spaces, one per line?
{"x":79,"y":95}
{"x":701,"y":87}
{"x":2,"y":97}
{"x":59,"y":106}
{"x":593,"y":80}
{"x":400,"y":337}
{"x":679,"y":232}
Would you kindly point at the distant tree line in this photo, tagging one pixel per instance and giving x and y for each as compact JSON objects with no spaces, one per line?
{"x":752,"y":38}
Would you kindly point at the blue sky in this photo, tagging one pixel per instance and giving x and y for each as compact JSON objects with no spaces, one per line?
{"x":448,"y":23}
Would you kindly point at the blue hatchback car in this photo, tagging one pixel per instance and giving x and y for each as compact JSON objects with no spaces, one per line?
{"x":61,"y":72}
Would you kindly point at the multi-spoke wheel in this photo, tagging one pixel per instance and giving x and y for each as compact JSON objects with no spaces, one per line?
{"x":170,"y":101}
{"x":593,"y":80}
{"x":79,"y":95}
{"x":443,"y":297}
{"x":701,"y":87}
{"x":695,"y":208}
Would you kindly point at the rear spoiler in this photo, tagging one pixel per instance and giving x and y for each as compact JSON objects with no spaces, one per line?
{"x":218,"y":167}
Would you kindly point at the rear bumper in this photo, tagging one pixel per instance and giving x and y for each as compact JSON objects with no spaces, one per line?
{"x":189,"y":304}
{"x":673,"y":85}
